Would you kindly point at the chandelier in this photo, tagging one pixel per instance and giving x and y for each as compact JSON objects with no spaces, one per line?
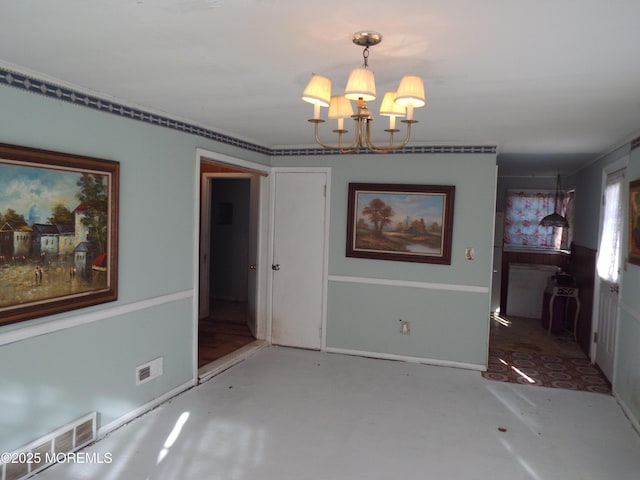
{"x":361,"y":88}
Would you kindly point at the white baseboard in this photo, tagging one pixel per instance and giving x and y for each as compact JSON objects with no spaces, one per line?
{"x":141,"y":410}
{"x":407,"y":358}
{"x":627,"y":411}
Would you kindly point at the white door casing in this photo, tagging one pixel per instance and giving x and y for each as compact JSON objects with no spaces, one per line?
{"x":299,"y":257}
{"x":261,"y":237}
{"x":254,"y":227}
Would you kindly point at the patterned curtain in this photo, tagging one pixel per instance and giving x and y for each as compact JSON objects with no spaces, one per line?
{"x":523,"y":213}
{"x":608,"y":262}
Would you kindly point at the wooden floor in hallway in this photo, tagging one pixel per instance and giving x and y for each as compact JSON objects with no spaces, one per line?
{"x":223,"y":332}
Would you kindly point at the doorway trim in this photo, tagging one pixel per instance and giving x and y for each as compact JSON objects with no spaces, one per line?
{"x":262,"y":281}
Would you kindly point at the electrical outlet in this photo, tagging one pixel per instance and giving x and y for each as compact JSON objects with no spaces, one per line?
{"x":405,"y":327}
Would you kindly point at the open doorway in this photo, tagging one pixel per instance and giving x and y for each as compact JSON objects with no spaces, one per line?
{"x":228,"y":297}
{"x":533,"y":335}
{"x":225,"y":327}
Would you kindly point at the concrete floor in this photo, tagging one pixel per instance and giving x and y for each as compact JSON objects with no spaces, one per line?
{"x":295,"y":414}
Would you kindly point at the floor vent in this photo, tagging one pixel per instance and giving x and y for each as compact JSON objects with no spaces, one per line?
{"x":52,"y":448}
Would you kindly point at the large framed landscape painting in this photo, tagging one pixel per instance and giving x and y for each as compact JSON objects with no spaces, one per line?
{"x":408,"y":223}
{"x":58,"y":232}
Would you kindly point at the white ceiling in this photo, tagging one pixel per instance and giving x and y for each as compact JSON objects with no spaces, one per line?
{"x":550,"y":82}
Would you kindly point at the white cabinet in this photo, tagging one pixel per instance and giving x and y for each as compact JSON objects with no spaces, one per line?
{"x":526,"y":288}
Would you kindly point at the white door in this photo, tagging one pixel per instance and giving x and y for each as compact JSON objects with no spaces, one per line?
{"x":299,"y":258}
{"x":608,"y":269}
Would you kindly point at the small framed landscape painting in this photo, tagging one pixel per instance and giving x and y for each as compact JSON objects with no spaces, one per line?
{"x":407,"y":223}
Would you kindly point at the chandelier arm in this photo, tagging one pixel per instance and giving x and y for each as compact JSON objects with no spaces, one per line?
{"x":343,"y":148}
{"x":390,"y":147}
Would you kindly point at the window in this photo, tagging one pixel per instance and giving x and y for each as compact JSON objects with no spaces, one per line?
{"x":525,"y":209}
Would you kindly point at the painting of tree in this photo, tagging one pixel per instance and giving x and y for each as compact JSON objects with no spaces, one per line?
{"x":93,"y":194}
{"x":400,"y":222}
{"x":379,"y":213}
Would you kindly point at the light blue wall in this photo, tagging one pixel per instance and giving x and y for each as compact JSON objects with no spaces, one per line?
{"x":49,"y":380}
{"x":627,"y":366}
{"x":445,"y":325}
{"x":588,"y":193}
{"x":588,"y":182}
{"x":52,"y":379}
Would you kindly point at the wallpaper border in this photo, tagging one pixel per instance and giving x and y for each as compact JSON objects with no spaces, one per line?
{"x":30,"y":83}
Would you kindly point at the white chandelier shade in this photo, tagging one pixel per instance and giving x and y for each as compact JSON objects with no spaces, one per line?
{"x":340,"y":108}
{"x":318,"y":91}
{"x":392,"y":109}
{"x":361,"y":84}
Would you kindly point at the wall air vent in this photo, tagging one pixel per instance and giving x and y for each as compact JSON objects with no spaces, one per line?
{"x":144,"y":373}
{"x":149,"y":371}
{"x":55,"y":447}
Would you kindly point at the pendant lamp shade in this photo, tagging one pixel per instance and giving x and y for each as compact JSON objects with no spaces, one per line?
{"x":340,"y":107}
{"x":555,"y":219}
{"x":361,"y":84}
{"x":318,"y":91}
{"x":389,"y":107}
{"x":411,"y":92}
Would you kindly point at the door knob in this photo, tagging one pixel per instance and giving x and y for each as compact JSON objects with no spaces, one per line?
{"x":252,"y":267}
{"x":275,"y":267}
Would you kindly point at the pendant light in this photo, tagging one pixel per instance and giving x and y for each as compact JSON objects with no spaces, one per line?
{"x":555,"y":219}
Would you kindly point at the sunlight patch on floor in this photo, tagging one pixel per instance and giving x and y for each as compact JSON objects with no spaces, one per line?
{"x":173,"y":436}
{"x":518,"y":371}
{"x":501,"y":320}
